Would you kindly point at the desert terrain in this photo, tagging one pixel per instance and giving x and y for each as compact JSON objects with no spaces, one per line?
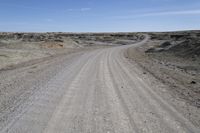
{"x":100,"y":82}
{"x":174,"y":59}
{"x":17,"y":48}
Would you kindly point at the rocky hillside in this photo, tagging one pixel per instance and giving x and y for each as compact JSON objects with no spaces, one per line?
{"x":182,"y":44}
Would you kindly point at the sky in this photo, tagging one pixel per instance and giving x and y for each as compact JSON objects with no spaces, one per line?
{"x":99,"y":15}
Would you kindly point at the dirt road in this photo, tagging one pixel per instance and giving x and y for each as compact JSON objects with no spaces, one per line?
{"x":93,"y":92}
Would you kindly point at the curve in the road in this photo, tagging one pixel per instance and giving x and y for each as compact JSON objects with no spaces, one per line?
{"x":98,"y":92}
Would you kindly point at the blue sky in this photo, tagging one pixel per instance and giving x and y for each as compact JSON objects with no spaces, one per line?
{"x":99,"y":15}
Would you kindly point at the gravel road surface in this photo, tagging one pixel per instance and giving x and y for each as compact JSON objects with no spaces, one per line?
{"x":98,"y":91}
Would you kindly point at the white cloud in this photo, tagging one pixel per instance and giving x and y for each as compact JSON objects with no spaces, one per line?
{"x":165,"y":13}
{"x":79,"y":10}
{"x":71,"y":10}
{"x":85,"y":9}
{"x":188,"y":12}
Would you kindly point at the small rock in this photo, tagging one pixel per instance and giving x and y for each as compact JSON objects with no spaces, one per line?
{"x":192,"y":82}
{"x":165,"y":44}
